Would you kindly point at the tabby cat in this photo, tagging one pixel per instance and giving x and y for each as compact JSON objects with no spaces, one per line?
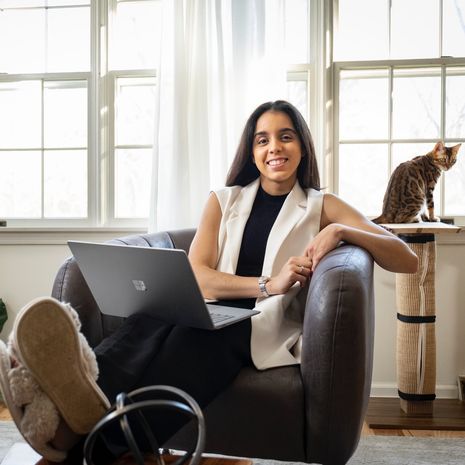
{"x":409,"y":194}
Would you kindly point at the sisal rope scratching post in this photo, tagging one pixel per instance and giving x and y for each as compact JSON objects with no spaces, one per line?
{"x":416,"y":339}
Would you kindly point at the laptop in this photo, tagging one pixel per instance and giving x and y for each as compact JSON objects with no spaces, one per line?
{"x":128,"y":279}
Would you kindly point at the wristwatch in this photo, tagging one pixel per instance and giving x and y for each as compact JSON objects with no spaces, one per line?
{"x":262,"y":280}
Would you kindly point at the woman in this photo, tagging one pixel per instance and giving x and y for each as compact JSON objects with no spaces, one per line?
{"x":258,"y":242}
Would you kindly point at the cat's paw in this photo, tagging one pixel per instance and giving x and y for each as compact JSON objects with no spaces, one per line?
{"x":435,"y":219}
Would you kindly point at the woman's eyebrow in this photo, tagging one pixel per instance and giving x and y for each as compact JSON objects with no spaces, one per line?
{"x":264,"y":133}
{"x":260,"y":133}
{"x":288,"y":129}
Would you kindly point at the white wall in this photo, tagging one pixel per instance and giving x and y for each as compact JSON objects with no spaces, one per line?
{"x":28,"y":270}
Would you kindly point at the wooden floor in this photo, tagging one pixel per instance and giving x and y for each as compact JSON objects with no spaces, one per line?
{"x":385,"y":418}
{"x":367,"y":431}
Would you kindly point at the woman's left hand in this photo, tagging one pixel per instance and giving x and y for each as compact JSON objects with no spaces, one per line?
{"x":325,"y":241}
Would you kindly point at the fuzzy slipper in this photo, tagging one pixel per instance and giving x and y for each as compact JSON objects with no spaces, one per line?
{"x":13,"y":395}
{"x":46,"y":340}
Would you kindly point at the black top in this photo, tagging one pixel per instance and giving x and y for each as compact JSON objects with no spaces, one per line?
{"x":264,"y":212}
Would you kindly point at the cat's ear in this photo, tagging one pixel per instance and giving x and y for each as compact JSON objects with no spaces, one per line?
{"x":456,"y":148}
{"x":439,"y":147}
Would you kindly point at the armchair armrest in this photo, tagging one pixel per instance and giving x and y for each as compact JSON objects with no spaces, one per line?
{"x":337,"y":353}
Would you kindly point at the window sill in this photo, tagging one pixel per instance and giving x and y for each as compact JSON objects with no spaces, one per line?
{"x":60,"y":236}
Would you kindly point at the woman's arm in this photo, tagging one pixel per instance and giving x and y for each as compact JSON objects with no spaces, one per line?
{"x":203,"y":255}
{"x":341,"y":222}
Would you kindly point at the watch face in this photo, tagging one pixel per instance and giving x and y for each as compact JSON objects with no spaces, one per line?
{"x":262,"y":285}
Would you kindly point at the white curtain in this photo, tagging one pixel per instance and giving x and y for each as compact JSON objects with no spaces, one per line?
{"x":219,"y":60}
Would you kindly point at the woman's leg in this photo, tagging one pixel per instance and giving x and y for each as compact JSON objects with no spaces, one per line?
{"x":147,"y":352}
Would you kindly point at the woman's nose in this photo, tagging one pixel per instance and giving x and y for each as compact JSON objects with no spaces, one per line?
{"x":275,"y":145}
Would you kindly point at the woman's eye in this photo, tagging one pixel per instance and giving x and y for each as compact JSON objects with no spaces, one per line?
{"x":261,"y":141}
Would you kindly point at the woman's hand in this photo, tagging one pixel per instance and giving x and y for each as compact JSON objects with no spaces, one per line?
{"x":296,"y":269}
{"x":325,"y":241}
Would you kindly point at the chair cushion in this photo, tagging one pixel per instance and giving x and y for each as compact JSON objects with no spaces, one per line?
{"x":260,"y":415}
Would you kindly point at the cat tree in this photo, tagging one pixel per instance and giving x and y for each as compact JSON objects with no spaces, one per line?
{"x":416,"y":318}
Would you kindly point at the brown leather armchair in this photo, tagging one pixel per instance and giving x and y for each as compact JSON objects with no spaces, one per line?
{"x":309,"y":413}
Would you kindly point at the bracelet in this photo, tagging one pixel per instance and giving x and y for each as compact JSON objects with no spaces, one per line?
{"x":262,"y":280}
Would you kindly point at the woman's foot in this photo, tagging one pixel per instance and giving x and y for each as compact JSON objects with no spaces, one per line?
{"x":47,"y":377}
{"x":47,"y":341}
{"x":35,"y":418}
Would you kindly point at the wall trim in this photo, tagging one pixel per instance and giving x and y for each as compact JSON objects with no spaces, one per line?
{"x":28,"y":236}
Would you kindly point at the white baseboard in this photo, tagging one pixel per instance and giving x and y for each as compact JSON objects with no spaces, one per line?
{"x":443,"y":391}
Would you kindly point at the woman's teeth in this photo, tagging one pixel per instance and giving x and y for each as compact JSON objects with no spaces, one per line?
{"x":276,"y":162}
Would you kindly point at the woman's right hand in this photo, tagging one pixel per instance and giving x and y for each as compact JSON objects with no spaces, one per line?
{"x":296,"y":269}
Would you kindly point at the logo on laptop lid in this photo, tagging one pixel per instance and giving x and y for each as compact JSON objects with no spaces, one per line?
{"x":139,"y":285}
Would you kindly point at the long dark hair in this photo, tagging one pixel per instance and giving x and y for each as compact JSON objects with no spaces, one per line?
{"x":243,"y":171}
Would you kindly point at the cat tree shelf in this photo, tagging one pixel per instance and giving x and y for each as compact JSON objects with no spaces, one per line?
{"x":421,"y":228}
{"x":416,"y":319}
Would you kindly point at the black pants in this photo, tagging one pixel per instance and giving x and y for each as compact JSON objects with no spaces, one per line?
{"x":145,"y":351}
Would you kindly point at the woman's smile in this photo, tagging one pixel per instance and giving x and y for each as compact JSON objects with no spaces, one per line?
{"x":276,"y":162}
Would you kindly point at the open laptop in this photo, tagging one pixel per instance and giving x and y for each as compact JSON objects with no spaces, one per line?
{"x":128,"y":279}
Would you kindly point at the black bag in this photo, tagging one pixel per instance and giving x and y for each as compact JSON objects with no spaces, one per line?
{"x":129,"y":403}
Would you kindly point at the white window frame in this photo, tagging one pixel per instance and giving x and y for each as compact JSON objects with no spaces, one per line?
{"x":92,"y":134}
{"x":390,"y":64}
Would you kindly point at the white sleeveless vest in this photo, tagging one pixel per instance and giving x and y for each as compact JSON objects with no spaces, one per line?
{"x":276,"y":331}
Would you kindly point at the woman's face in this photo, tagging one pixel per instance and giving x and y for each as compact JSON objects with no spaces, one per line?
{"x":276,"y":152}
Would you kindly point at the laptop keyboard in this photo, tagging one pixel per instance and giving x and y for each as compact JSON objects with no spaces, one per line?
{"x":219,"y":317}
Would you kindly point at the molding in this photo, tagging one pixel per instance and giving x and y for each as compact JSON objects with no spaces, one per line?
{"x":28,"y":236}
{"x":443,"y":391}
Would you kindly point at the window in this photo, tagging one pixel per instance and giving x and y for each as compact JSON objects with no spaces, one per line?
{"x":399,"y":89}
{"x":44,"y":87}
{"x":77,"y":106}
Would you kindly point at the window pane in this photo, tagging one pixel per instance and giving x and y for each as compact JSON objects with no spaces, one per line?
{"x":453,"y":30}
{"x":137,"y":35}
{"x":68,"y":39}
{"x":65,"y":114}
{"x":454,"y":188}
{"x":362,"y":31}
{"x":455,"y":103}
{"x":26,"y":30}
{"x":404,"y":152}
{"x":135,"y":109}
{"x":133,"y":171}
{"x":296,"y":31}
{"x":65,"y":184}
{"x":20,"y":181}
{"x":415,"y":29}
{"x":363,"y":176}
{"x":416,"y":104}
{"x":297,"y":94}
{"x":363,"y":100}
{"x":20,"y":114}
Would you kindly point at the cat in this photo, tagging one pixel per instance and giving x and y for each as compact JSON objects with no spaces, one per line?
{"x":410,"y":188}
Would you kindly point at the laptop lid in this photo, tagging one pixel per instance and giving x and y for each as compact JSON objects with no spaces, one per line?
{"x":128,"y":279}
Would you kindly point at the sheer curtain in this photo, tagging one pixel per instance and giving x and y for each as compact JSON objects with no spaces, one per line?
{"x":220,"y":59}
